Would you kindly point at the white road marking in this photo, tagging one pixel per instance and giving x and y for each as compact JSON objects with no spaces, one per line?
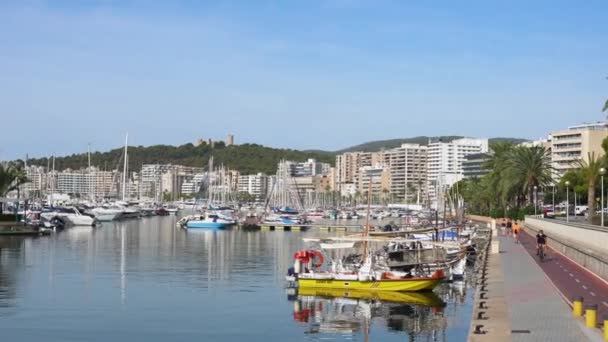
{"x":585,"y":287}
{"x":572,"y":275}
{"x":591,"y":293}
{"x":606,"y":304}
{"x":578,"y":281}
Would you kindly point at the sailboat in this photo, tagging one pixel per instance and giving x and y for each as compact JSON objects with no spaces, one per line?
{"x":353,"y":275}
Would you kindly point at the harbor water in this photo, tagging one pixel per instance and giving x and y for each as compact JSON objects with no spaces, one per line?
{"x":148,"y":280}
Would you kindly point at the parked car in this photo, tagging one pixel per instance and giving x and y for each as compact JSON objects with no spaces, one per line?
{"x":549,"y":213}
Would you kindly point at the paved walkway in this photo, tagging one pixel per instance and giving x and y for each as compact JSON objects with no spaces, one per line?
{"x":533,"y":302}
{"x":571,"y":279}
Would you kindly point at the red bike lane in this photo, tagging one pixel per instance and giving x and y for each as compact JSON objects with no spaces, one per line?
{"x":570,"y":278}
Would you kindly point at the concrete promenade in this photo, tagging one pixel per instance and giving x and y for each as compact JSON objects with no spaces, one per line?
{"x":527,"y":305}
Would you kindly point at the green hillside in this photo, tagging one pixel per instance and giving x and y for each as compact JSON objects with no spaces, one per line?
{"x":246,"y":158}
{"x":378,"y":145}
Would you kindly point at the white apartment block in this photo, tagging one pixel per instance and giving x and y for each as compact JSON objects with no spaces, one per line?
{"x":87,"y":183}
{"x":444,"y":162}
{"x":311,"y":167}
{"x":256,"y":185}
{"x":574,"y":144}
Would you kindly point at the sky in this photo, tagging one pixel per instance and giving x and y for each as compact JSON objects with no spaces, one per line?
{"x":323,"y":74}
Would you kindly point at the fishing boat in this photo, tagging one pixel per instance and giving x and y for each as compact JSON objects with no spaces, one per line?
{"x":360,"y":273}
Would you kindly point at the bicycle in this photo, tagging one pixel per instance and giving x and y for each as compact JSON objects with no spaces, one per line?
{"x":541,"y":252}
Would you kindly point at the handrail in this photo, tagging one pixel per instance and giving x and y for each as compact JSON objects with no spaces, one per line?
{"x":590,"y":252}
{"x":571,"y":224}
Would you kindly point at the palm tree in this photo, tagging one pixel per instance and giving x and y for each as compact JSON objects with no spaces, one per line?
{"x":590,"y":170}
{"x":527,"y":167}
{"x":11,"y":177}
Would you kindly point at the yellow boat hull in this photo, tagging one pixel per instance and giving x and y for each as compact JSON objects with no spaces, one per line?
{"x":417,"y":298}
{"x":395,"y":285}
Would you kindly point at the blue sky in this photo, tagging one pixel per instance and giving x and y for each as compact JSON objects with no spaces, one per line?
{"x":299,"y":74}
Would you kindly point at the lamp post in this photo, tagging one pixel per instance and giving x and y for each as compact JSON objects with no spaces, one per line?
{"x":553,"y":200}
{"x":535,"y":198}
{"x":567,"y":202}
{"x":602,"y":172}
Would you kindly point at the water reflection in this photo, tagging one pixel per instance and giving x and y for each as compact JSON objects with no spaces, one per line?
{"x":352,"y":312}
{"x":11,"y":259}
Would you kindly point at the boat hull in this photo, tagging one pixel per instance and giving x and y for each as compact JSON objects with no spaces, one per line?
{"x":395,"y":285}
{"x":208,"y":225}
{"x":106,"y":217}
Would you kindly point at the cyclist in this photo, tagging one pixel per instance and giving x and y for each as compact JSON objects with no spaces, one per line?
{"x":541,"y":242}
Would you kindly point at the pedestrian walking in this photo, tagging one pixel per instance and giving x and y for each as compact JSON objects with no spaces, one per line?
{"x":516,"y":233}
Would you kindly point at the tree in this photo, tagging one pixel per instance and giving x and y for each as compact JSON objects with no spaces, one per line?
{"x":11,"y":177}
{"x":528,"y":167}
{"x":590,"y":172}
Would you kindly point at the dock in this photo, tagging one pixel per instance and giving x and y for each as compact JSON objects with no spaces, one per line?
{"x":17,"y":229}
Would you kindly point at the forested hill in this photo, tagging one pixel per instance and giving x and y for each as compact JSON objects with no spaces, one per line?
{"x":246,"y":158}
{"x":374,"y":146}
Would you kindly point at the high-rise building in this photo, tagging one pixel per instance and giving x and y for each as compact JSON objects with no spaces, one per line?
{"x":574,"y":144}
{"x":473,"y":165}
{"x":311,"y":167}
{"x":256,"y":185}
{"x":408,"y":172}
{"x":230,"y":140}
{"x":444,"y":162}
{"x":378,"y":177}
{"x":348,"y":166}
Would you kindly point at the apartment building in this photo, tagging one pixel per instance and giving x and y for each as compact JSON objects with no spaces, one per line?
{"x":407,"y":166}
{"x":256,"y":185}
{"x":473,"y":165}
{"x":378,"y":177}
{"x":348,"y":166}
{"x":574,"y":144}
{"x":444,"y":162}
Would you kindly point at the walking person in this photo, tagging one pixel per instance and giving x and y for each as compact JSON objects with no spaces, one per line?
{"x":516,"y":233}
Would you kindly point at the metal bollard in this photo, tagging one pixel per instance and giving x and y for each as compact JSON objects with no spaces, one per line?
{"x":591,"y":316}
{"x":577,"y":306}
{"x":478,"y":330}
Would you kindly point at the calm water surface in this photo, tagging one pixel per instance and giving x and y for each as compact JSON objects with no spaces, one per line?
{"x":148,"y":280}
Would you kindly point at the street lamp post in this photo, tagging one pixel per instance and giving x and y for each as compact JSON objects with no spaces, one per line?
{"x":535,"y":198}
{"x":553,"y":200}
{"x":567,"y":202}
{"x":602,"y":172}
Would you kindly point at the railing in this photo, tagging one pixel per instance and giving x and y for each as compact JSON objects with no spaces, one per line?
{"x":571,"y":224}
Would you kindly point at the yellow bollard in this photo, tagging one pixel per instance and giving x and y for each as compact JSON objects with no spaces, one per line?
{"x":577,"y":306}
{"x":606,"y":328}
{"x":591,"y":316}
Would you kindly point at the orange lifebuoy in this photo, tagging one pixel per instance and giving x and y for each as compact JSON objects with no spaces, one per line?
{"x":319,"y":255}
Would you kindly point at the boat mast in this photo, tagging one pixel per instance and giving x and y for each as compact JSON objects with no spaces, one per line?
{"x":89,"y":173}
{"x":53,"y":181}
{"x":369,"y":204}
{"x":124,"y":170}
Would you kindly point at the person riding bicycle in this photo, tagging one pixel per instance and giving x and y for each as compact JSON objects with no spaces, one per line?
{"x":541,"y":241}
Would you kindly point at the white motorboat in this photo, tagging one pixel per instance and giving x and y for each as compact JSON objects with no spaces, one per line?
{"x":71,"y":216}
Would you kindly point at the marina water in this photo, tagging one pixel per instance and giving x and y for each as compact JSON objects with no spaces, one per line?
{"x":147,"y":280}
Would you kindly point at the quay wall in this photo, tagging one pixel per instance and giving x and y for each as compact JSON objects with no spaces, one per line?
{"x":587,"y":245}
